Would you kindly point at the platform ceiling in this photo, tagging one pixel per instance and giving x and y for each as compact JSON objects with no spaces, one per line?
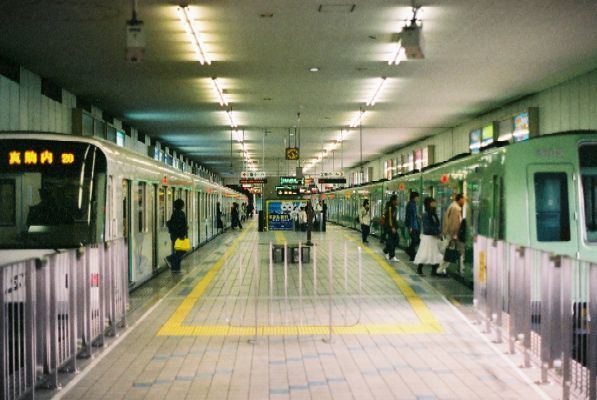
{"x":479,"y":54}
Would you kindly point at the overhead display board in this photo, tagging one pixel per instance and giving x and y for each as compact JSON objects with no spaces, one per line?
{"x":252,"y":181}
{"x":331,"y":180}
{"x":291,"y":181}
{"x":292,"y":153}
{"x":287,"y":190}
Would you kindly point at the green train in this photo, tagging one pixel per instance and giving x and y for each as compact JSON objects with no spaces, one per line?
{"x":540,"y":193}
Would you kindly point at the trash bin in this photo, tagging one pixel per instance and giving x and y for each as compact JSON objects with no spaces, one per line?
{"x":261,"y":221}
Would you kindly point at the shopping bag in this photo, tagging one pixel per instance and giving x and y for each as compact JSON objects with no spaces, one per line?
{"x":182,"y":244}
{"x":451,"y":254}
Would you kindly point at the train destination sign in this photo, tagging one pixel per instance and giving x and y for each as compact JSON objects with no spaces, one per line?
{"x":291,"y":181}
{"x":43,"y":157}
{"x":331,"y":180}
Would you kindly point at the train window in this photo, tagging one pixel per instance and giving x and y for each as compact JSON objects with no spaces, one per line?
{"x":141,"y":192}
{"x":588,"y":171}
{"x":162,"y":207}
{"x":8,"y":211}
{"x":551,"y":207}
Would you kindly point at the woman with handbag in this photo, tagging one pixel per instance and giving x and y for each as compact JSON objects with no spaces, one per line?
{"x":429,"y":249}
{"x":178,"y":229}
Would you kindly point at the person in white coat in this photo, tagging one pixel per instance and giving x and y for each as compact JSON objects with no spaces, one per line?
{"x":365,"y":220}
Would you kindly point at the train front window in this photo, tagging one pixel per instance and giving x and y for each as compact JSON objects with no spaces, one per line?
{"x":588,"y":171}
{"x":52,"y":194}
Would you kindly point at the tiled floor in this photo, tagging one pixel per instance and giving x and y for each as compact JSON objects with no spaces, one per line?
{"x":394,"y":336}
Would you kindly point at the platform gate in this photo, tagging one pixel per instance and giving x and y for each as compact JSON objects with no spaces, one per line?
{"x":546,"y":307}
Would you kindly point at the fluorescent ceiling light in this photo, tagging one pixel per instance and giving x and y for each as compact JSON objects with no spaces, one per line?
{"x":223,"y":101}
{"x":371,"y":101}
{"x":314,"y":69}
{"x":232,"y":123}
{"x":357,"y":120}
{"x":398,"y":55}
{"x":184,"y":13}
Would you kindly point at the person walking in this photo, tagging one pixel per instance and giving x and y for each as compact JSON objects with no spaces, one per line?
{"x":392,"y":228}
{"x":365,"y":220}
{"x":452,"y":224}
{"x":178,"y":229}
{"x":429,"y":249}
{"x":324,"y":215}
{"x":413,"y":224}
{"x":310,"y":218}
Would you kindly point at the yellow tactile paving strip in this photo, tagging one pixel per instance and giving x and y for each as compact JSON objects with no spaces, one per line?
{"x":174,"y":326}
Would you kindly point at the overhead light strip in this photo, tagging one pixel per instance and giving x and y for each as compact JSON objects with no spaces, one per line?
{"x":373,"y":99}
{"x":355,"y":122}
{"x":232,"y":123}
{"x":184,"y":14}
{"x":398,"y":55}
{"x":223,"y":101}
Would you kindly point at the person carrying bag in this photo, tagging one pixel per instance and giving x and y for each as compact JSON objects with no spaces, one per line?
{"x":178,"y":229}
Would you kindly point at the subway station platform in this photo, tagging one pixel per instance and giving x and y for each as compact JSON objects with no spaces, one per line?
{"x":233,"y":328}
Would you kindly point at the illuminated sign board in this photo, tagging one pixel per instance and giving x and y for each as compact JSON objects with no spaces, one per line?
{"x":120,"y":138}
{"x":292,"y":153}
{"x":39,"y":157}
{"x":252,"y":181}
{"x":487,"y":135}
{"x":291,"y":181}
{"x":331,"y":180}
{"x":287,"y":191}
{"x":475,"y":141}
{"x":521,"y":129}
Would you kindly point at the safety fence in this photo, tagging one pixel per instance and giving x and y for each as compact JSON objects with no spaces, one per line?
{"x":57,"y":309}
{"x":544,"y":306}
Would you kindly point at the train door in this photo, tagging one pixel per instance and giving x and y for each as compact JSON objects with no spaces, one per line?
{"x":552,"y":211}
{"x":155,"y":226}
{"x":198,"y":216}
{"x":126,"y":222}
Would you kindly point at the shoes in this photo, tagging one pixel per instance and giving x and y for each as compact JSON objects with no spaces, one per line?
{"x":393,"y":259}
{"x":168,"y":263}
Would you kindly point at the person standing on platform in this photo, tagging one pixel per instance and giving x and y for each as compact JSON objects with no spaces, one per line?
{"x":302,"y":218}
{"x":219,"y":222}
{"x":382,"y":228}
{"x":429,"y":249}
{"x":324,"y":215}
{"x":234,"y":216}
{"x":310,"y":218}
{"x":317,"y":208}
{"x":453,"y":223}
{"x":365,"y":220}
{"x":392,"y":228}
{"x":178,"y":229}
{"x":243,"y":212}
{"x":413,"y":224}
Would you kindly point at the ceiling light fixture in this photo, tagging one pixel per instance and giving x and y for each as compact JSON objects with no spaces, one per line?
{"x":223,"y":101}
{"x":371,"y":101}
{"x":314,"y":69}
{"x":184,"y":13}
{"x":355,"y":122}
{"x":398,"y":55}
{"x":232,"y":123}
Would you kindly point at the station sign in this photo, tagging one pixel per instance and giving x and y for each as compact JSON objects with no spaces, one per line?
{"x":291,"y":181}
{"x":252,"y":175}
{"x":331,"y":180}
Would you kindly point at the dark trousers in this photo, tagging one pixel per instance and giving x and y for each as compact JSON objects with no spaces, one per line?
{"x":175,"y":259}
{"x":391,"y":243}
{"x":365,"y":229}
{"x":383,"y":234}
{"x":415,"y":239}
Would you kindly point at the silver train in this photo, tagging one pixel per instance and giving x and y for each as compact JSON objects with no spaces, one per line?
{"x":61,"y":191}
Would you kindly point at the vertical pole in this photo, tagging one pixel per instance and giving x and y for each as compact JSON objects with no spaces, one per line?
{"x":300,"y":277}
{"x":3,"y":346}
{"x":314,"y":271}
{"x":566,"y":327}
{"x":257,"y":277}
{"x":592,"y":350}
{"x":30,"y":329}
{"x":271,"y":281}
{"x":345,"y":280}
{"x":72,"y":300}
{"x":285,"y":282}
{"x":360,"y":284}
{"x":330,"y":288}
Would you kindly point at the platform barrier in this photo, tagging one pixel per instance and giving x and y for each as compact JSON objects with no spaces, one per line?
{"x":57,"y":309}
{"x":543,"y":304}
{"x":314,"y":295}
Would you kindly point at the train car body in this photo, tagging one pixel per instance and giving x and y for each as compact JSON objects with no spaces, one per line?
{"x":61,"y":191}
{"x":540,"y":193}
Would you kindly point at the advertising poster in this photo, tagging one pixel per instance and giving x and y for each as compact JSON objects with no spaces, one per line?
{"x":521,"y":127}
{"x":282,"y":213}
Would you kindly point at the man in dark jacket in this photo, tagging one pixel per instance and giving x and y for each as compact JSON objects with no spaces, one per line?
{"x":178,"y":229}
{"x":392,"y":228}
{"x":413,"y":224}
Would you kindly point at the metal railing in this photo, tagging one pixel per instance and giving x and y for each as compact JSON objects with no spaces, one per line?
{"x":545,"y":305}
{"x":56,"y":309}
